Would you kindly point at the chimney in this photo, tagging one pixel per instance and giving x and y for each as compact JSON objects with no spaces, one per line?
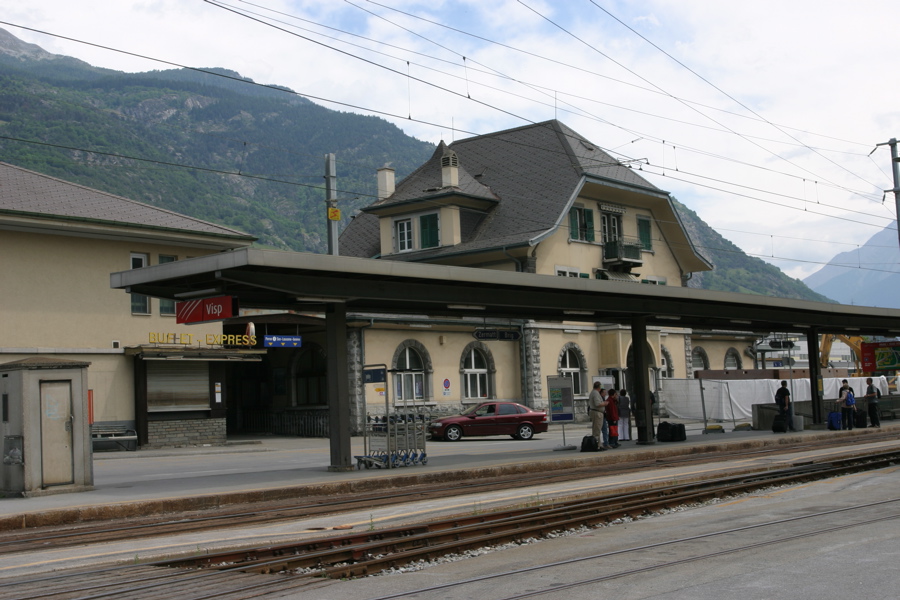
{"x":385,"y":182}
{"x":449,"y":169}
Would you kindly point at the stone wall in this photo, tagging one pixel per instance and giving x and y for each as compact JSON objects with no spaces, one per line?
{"x":187,"y":432}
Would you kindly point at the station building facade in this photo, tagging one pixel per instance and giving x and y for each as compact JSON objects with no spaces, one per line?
{"x":540,"y":199}
{"x":59,"y":242}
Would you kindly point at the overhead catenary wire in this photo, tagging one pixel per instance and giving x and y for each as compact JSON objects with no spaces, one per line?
{"x":323,"y":99}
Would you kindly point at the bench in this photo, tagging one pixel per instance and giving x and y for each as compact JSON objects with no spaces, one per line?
{"x":118,"y":434}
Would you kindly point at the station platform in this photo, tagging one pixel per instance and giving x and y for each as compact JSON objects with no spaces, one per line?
{"x":265,"y":468}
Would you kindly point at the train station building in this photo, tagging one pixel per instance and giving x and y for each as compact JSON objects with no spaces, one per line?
{"x":503,"y":260}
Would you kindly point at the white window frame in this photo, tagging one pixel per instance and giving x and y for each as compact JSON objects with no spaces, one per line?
{"x":404,"y":237}
{"x":573,"y":373}
{"x":475,"y":378}
{"x":140,"y":260}
{"x":610,"y":226}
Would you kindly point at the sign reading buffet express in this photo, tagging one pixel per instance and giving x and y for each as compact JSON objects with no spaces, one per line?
{"x":206,"y":309}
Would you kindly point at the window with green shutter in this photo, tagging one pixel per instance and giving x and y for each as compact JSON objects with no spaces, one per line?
{"x":645,"y":233}
{"x":428,"y":231}
{"x":581,"y":224}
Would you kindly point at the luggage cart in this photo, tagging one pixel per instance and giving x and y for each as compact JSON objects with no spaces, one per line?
{"x":396,"y":439}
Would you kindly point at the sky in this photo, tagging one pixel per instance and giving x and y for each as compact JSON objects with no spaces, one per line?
{"x":764,"y":118}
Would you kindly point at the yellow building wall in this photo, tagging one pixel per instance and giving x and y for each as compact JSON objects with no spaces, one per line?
{"x":445,"y":349}
{"x":56,"y":300}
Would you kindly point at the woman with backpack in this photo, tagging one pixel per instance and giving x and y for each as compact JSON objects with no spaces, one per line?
{"x":847,"y":403}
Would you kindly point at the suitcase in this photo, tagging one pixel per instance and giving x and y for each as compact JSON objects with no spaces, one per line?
{"x":860,"y":418}
{"x":779,"y":424}
{"x":671,"y":432}
{"x":664,"y":432}
{"x":834,"y":421}
{"x":589,"y":444}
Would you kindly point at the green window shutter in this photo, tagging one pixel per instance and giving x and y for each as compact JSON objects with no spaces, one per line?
{"x":428,"y":231}
{"x":573,"y":224}
{"x":645,"y":234}
{"x":584,"y":275}
{"x":588,"y":225}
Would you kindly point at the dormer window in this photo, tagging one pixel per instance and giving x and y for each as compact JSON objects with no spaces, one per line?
{"x":417,"y":233}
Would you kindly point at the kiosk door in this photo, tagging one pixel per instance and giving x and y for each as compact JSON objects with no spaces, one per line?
{"x":57,"y":452}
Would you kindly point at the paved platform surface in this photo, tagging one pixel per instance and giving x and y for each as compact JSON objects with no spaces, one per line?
{"x":253,"y":469}
{"x":248,"y":470}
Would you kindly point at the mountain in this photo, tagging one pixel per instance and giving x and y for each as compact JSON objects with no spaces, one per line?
{"x":66,"y":118}
{"x":866,"y":276}
{"x":215,"y":121}
{"x":735,"y":271}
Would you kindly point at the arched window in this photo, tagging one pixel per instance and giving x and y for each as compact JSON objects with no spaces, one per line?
{"x":666,"y":367}
{"x":732,"y":359}
{"x":571,"y":365}
{"x":699,"y":360}
{"x":410,"y":382}
{"x":475,"y":374}
{"x":309,"y":370}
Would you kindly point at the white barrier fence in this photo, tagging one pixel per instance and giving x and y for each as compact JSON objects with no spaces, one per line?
{"x":720,"y":400}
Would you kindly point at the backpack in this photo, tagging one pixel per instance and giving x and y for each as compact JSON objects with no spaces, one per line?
{"x":589,"y":444}
{"x":850,"y":400}
{"x":877,"y":393}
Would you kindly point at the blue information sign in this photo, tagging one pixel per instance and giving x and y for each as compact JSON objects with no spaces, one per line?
{"x":282,"y":341}
{"x":375,"y":376}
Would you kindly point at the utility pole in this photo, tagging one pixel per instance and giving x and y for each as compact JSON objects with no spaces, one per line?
{"x":334,"y":213}
{"x":895,"y":168}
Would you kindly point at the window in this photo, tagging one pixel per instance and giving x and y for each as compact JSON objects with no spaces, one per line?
{"x":404,"y":235}
{"x":570,"y":272}
{"x":410,"y":382}
{"x":177,"y":385}
{"x":570,"y":367}
{"x":653,"y":280}
{"x":429,"y":236}
{"x":645,"y":233}
{"x":732,"y":359}
{"x":699,"y":361}
{"x":166,"y":307}
{"x":417,"y":233}
{"x":581,"y":224}
{"x":140,"y":304}
{"x":475,"y":375}
{"x":610,"y":226}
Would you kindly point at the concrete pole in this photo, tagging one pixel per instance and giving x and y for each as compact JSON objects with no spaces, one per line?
{"x":334,"y":215}
{"x":895,"y":169}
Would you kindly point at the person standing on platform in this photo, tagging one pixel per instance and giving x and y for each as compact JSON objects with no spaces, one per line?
{"x":624,"y":416}
{"x":612,"y":417}
{"x":847,"y":403}
{"x":785,"y":406}
{"x":597,"y":406}
{"x":872,"y":396}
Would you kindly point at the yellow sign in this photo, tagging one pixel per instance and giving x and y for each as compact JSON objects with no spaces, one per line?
{"x":334,"y":214}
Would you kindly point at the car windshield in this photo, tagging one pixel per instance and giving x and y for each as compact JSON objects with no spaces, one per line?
{"x":473,"y":409}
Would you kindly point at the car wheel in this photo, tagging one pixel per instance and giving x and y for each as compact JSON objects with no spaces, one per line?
{"x":526,"y":432}
{"x":452,"y":433}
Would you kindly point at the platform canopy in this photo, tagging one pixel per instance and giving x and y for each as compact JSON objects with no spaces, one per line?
{"x":307,"y":282}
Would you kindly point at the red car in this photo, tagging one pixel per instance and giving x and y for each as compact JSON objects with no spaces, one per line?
{"x":491,"y":418}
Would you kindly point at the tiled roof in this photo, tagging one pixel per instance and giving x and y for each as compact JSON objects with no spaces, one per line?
{"x":27,"y":193}
{"x":533,"y":170}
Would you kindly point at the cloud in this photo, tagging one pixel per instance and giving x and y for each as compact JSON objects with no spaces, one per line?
{"x":760,"y":117}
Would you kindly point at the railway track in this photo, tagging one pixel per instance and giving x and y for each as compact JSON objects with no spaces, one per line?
{"x":72,"y":534}
{"x":272,"y":571}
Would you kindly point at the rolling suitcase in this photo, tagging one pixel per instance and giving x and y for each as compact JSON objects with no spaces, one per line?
{"x":664,"y":432}
{"x":779,"y":424}
{"x":679,"y":433}
{"x":589,"y":444}
{"x":860,"y":418}
{"x":834,"y":421}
